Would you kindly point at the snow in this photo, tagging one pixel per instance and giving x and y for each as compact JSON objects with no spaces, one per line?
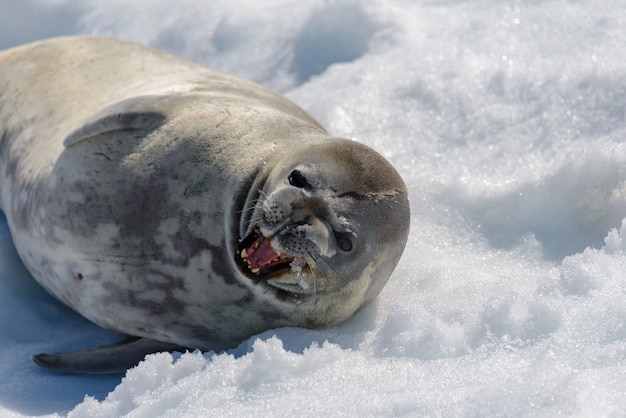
{"x":507,"y":121}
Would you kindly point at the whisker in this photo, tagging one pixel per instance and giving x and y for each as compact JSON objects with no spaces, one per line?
{"x":252,"y":204}
{"x":314,"y":261}
{"x":255,"y":217}
{"x":284,"y":224}
{"x":314,"y":270}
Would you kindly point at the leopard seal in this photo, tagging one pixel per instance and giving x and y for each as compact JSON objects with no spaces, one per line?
{"x":181,"y":206}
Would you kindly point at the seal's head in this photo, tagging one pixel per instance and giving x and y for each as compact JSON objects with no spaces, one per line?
{"x":325,"y":231}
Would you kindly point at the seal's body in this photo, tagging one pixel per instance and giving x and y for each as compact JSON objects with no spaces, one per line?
{"x":164,"y":200}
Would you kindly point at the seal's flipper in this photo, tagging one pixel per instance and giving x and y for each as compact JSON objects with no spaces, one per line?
{"x":132,"y":114}
{"x":115,"y":358}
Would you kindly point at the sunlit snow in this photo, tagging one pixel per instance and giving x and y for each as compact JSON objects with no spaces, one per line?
{"x":506,"y":120}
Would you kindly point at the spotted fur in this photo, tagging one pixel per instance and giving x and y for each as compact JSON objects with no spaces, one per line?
{"x":128,"y":177}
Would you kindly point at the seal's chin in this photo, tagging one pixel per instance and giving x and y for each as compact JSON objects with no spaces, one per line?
{"x":259,"y":261}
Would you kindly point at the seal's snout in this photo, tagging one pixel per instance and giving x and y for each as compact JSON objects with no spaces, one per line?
{"x":299,"y":223}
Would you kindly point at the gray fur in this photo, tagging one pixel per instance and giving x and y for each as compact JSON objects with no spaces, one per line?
{"x":129,"y":176}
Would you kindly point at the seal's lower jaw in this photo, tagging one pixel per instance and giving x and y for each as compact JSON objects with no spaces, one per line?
{"x":259,"y":261}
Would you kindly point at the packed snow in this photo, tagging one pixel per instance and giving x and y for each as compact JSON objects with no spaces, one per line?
{"x":506,"y":120}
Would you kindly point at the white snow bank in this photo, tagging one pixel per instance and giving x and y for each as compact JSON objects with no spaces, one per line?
{"x":555,"y":349}
{"x":506,"y":121}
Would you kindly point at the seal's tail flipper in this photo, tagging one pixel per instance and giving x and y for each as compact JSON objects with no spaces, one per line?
{"x":115,"y":358}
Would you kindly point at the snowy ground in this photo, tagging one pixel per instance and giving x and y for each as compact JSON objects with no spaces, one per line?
{"x":507,"y":121}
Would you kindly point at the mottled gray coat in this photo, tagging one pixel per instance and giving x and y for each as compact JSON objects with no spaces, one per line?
{"x":124,"y":175}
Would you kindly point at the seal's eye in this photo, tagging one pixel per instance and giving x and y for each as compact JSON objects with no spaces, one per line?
{"x":297,"y":179}
{"x":343,"y":243}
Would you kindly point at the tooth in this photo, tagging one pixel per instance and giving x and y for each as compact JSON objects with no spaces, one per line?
{"x":244,"y":253}
{"x":255,"y":270}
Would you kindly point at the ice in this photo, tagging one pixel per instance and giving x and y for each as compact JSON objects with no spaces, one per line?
{"x":297,"y":264}
{"x":507,"y":122}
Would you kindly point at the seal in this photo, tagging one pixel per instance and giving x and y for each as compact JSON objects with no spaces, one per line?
{"x":181,"y":206}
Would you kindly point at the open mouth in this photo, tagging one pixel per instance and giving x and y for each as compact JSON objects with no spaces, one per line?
{"x":258,"y":260}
